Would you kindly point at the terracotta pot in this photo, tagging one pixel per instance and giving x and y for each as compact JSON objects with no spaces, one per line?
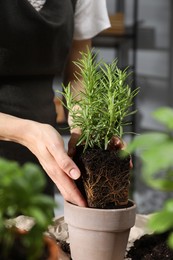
{"x":51,"y":245}
{"x":53,"y":249}
{"x":98,"y":234}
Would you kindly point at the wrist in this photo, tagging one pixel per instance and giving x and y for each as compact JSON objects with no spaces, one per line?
{"x":13,"y":128}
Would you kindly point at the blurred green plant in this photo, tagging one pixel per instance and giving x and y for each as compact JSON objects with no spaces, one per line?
{"x":156,"y":152}
{"x":21,"y":193}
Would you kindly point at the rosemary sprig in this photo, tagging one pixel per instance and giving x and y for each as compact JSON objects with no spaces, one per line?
{"x":104,"y":104}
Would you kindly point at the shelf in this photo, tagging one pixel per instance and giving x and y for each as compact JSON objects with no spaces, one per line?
{"x":112,"y":40}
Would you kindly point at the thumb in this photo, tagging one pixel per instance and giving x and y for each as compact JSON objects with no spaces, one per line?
{"x":72,"y":144}
{"x":68,"y":165}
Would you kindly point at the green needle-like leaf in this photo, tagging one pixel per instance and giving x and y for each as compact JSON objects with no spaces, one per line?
{"x":104,"y":104}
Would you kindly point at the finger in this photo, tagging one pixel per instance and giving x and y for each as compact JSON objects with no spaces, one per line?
{"x":68,"y":166}
{"x":131,"y":163}
{"x":71,"y":193}
{"x":115,"y":143}
{"x":72,"y":144}
{"x":64,"y":161}
{"x":66,"y":185}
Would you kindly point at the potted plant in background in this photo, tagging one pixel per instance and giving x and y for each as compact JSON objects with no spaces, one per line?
{"x":101,"y":230}
{"x":155,"y":150}
{"x":21,"y":193}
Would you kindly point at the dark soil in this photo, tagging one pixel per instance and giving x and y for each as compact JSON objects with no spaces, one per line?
{"x":105,"y":177}
{"x":148,"y":247}
{"x":151,"y":247}
{"x":65,"y":246}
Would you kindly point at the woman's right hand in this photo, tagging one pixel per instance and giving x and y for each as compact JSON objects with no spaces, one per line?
{"x":48,"y":146}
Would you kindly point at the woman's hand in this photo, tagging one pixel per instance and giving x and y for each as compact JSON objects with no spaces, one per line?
{"x":48,"y":146}
{"x":118,"y":144}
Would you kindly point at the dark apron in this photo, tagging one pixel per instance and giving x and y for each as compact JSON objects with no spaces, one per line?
{"x":33,"y":48}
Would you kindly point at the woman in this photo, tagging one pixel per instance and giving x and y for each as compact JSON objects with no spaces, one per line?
{"x":40,"y":39}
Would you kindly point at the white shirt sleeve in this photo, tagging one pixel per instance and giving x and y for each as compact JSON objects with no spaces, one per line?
{"x":91,"y":17}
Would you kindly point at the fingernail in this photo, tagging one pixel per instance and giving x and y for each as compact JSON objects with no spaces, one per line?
{"x":74,"y":174}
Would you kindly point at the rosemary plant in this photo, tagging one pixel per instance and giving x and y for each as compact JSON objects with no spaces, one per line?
{"x":104,"y":103}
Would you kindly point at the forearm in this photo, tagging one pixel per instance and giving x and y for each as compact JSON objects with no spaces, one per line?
{"x":12,"y":128}
{"x":78,"y":47}
{"x":71,"y":70}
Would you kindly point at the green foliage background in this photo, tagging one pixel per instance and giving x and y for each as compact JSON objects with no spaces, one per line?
{"x":156,"y":152}
{"x":21,"y":193}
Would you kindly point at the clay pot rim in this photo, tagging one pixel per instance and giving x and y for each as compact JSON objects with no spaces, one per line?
{"x":93,"y":219}
{"x":131,"y":205}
